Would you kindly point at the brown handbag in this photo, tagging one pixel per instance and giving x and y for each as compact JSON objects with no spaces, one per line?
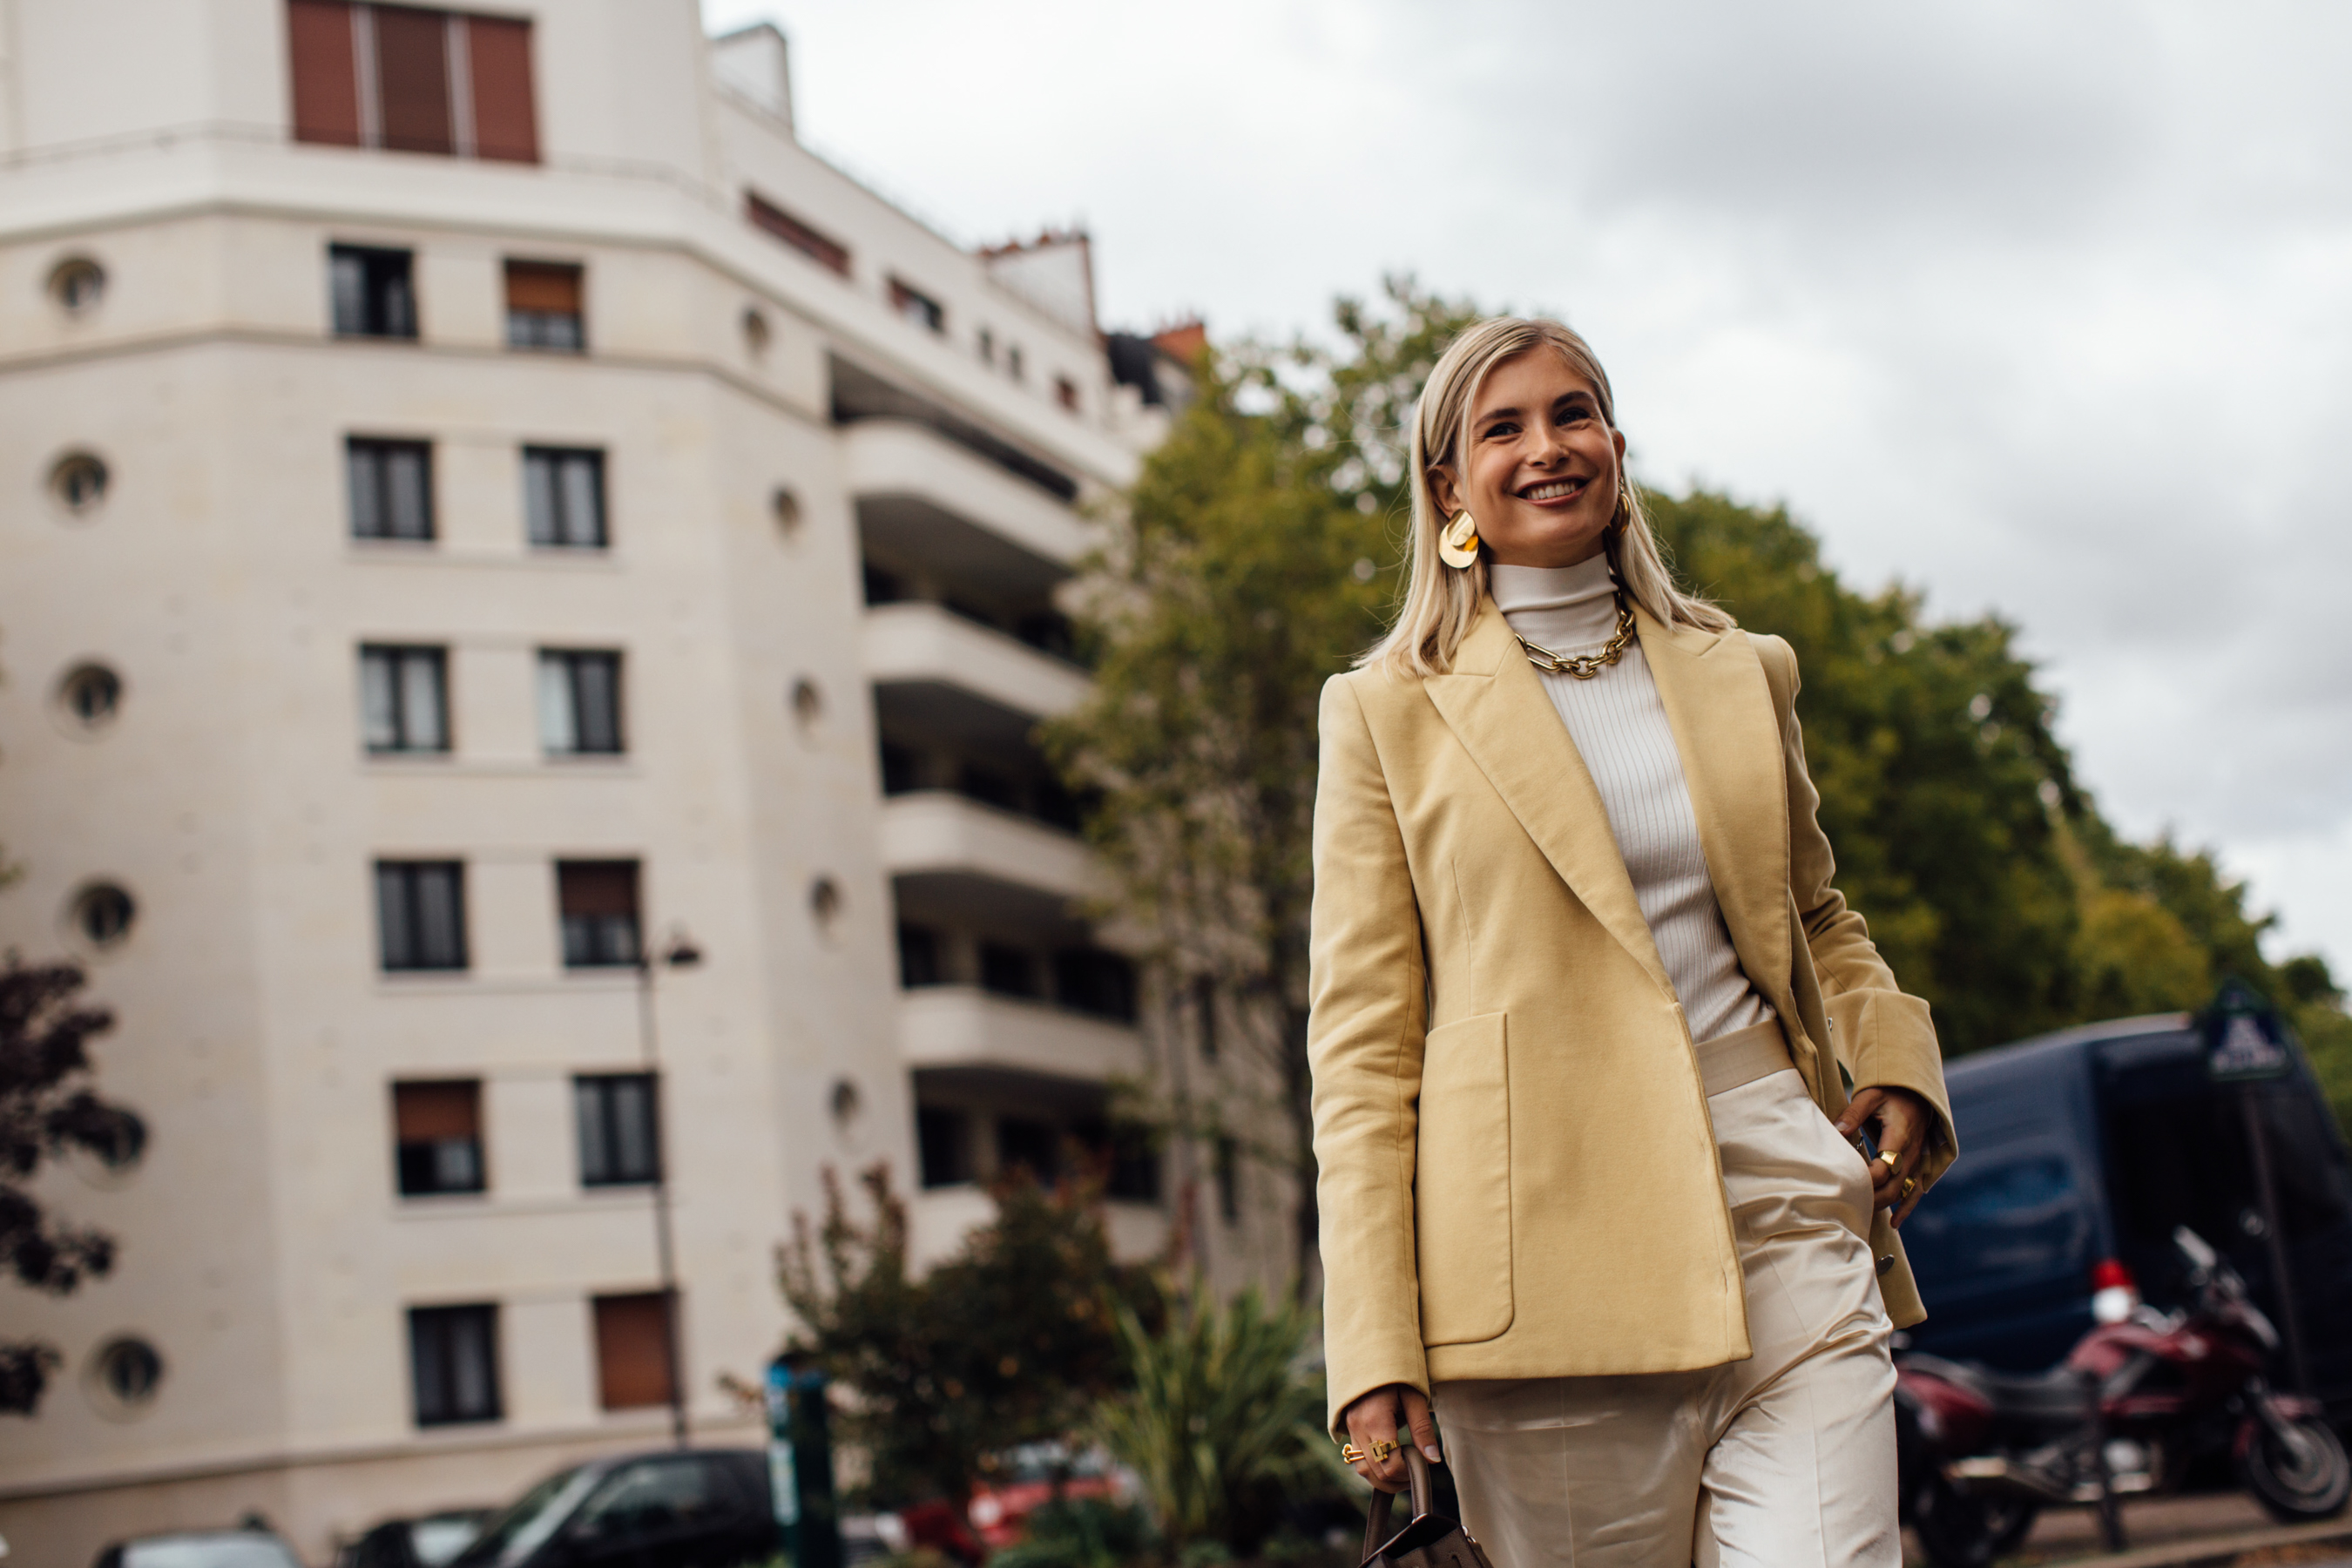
{"x":1430,"y":1541}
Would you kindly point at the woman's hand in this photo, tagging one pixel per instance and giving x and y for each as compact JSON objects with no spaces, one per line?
{"x":1903,"y":1121}
{"x":1375,"y":1418}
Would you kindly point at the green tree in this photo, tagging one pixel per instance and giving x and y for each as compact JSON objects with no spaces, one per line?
{"x":48,"y":1108}
{"x":1008,"y":1342}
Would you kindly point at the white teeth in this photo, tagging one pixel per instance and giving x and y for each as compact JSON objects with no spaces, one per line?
{"x":1550,"y":491}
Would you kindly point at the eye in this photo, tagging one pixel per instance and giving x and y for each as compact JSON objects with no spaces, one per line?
{"x":1502,"y":427}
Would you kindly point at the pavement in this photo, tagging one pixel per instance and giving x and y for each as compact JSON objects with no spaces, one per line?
{"x":2213,"y":1529}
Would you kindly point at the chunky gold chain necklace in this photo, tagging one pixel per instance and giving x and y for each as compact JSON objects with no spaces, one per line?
{"x":1585,"y":666}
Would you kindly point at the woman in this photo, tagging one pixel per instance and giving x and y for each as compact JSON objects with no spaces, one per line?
{"x":1589,"y":1023}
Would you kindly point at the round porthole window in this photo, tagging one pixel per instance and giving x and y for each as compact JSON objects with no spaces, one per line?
{"x":77,"y":284}
{"x":90,"y":696}
{"x":102,"y":915}
{"x":785,"y":506}
{"x":79,"y":482}
{"x":124,"y":1373}
{"x":755,"y":333}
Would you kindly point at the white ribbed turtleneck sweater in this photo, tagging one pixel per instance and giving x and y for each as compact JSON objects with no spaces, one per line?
{"x":1620,"y":728}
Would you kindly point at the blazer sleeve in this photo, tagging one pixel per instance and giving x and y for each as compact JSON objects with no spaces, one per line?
{"x":1882,"y":1034}
{"x":1368,"y":1016}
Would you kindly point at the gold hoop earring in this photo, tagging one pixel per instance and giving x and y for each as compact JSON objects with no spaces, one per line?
{"x":1457,"y":542}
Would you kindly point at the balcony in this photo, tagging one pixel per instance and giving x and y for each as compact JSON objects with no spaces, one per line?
{"x":921,"y":496}
{"x":954,"y":672}
{"x":961,"y":1026}
{"x":962,"y":849}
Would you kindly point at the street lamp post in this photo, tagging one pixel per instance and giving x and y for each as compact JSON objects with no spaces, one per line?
{"x":678,"y":953}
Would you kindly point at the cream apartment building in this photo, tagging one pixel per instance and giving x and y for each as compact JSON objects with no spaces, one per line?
{"x":483,"y":503}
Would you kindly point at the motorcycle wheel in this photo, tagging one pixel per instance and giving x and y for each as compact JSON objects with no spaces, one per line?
{"x":1962,"y":1529}
{"x":2305,"y":1477}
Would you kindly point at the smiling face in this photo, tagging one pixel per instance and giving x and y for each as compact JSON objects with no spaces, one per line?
{"x":1540,"y":470}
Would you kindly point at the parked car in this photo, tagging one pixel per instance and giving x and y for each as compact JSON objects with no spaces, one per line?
{"x":429,"y":1541}
{"x":702,"y":1508}
{"x":201,"y":1549}
{"x":1034,"y":1476}
{"x":2082,"y":1153}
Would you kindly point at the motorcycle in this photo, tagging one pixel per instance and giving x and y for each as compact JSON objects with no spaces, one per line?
{"x":1982,"y":1452}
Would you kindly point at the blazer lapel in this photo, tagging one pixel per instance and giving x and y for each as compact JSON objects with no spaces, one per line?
{"x":1496,"y":705}
{"x":1720,"y":709}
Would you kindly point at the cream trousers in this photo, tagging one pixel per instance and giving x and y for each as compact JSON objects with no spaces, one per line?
{"x":1784,"y":1461}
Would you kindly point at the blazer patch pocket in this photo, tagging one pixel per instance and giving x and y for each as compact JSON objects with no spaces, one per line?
{"x":1462,"y":1183}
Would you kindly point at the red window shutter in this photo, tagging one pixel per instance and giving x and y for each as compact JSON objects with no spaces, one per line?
{"x":543,"y":286}
{"x":506,"y":121}
{"x":816,"y":247}
{"x":427,"y":1112}
{"x":326,"y":80}
{"x":632,"y":1351}
{"x":412,"y":69}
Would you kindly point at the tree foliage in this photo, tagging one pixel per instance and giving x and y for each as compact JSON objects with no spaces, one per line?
{"x":1008,"y":1342}
{"x":1258,"y":553}
{"x":1221,"y":1423}
{"x":48,"y":1109}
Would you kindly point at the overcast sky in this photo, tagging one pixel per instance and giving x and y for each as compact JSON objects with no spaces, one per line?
{"x":2044,"y":309}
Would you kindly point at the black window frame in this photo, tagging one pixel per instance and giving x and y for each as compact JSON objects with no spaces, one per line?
{"x":921,"y":958}
{"x":401,"y":944}
{"x":943,"y":1147}
{"x":597,"y":1100}
{"x":600,"y":939}
{"x":421,"y":1168}
{"x":436,"y":1398}
{"x":589,"y":726}
{"x":555,"y":523}
{"x":397,"y":659}
{"x":371,"y":292}
{"x":372,"y":495}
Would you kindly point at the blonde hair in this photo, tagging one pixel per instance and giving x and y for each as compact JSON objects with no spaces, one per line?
{"x":1441,"y":601}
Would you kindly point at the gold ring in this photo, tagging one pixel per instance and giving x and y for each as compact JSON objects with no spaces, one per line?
{"x":1382,"y":1449}
{"x":1351,"y":1453}
{"x":1890,"y":1157}
{"x":1910,"y":1185}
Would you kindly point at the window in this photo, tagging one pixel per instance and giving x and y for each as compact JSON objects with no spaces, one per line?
{"x":412,"y":80}
{"x":453,"y":1364}
{"x":1007,"y":971}
{"x":564,"y":497}
{"x":918,"y":306}
{"x":78,"y":482}
{"x":404,"y":699}
{"x":102,"y":911}
{"x":902,"y":768}
{"x":1229,"y":1181}
{"x":1204,"y":1013}
{"x":645,"y":1511}
{"x":943,"y":1143}
{"x":91,"y":694}
{"x":987,"y":346}
{"x":825,"y":251}
{"x":1065,"y":393}
{"x":988,"y":786}
{"x":598,"y":903}
{"x":1012,"y":362}
{"x":1023,"y":1144}
{"x":371,"y":291}
{"x":1089,"y":980}
{"x":128,"y":1371}
{"x":633,"y":1351}
{"x":420,"y":915}
{"x":620,"y":1134}
{"x":543,"y":307}
{"x":391,"y":489}
{"x":918,"y":957}
{"x":437,"y":1137}
{"x":579,"y":703}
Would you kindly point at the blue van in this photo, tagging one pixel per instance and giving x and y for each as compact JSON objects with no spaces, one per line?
{"x":2085,"y":1148}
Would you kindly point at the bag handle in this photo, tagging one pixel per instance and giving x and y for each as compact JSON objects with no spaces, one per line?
{"x":1376,"y":1522}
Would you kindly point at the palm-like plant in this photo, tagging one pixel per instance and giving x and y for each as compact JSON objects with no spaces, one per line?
{"x":1223,"y":1420}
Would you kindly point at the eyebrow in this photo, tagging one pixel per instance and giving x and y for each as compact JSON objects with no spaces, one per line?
{"x":1579,"y":395}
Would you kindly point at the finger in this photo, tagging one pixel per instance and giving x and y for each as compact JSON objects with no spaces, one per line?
{"x":1423,"y":1425}
{"x":1859,"y":1110}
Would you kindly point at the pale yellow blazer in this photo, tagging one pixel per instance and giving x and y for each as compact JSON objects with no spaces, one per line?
{"x":1518,"y":1174}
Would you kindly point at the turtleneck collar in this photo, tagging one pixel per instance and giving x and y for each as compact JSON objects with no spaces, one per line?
{"x":1562,"y":608}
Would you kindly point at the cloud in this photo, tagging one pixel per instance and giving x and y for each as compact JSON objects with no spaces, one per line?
{"x":2041,"y":309}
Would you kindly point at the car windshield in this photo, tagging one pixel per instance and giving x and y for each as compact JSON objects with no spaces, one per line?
{"x":515,"y":1534}
{"x":436,"y":1540}
{"x":244,"y":1549}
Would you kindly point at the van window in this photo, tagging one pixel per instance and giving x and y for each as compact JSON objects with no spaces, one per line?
{"x":2182,"y":1158}
{"x":2003,"y":1217}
